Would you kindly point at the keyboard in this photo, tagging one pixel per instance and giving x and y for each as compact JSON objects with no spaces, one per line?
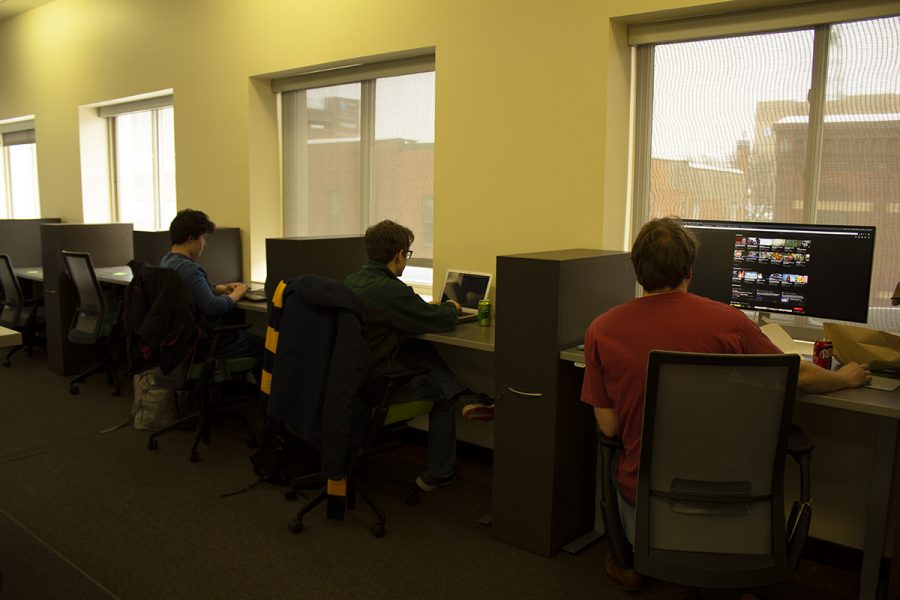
{"x":255,"y":296}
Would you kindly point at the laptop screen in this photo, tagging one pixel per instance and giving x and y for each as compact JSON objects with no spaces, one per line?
{"x":466,"y":287}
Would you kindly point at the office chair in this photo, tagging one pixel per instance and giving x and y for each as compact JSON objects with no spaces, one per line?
{"x":322,"y":388}
{"x":710,"y":498}
{"x":93,"y":323}
{"x":164,"y":331}
{"x":16,"y":312}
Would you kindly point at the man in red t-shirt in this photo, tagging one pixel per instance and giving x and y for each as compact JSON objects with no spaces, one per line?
{"x":617,"y":346}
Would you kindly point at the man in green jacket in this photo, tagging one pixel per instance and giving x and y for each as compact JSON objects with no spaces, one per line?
{"x":395,"y":312}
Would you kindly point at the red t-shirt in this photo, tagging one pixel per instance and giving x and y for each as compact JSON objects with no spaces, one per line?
{"x":617,"y":346}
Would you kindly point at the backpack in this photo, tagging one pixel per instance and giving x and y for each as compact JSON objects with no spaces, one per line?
{"x":154,"y":406}
{"x":281,"y":456}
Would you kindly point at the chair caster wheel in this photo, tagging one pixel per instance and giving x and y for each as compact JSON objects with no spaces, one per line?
{"x":73,"y":389}
{"x":379,"y":530}
{"x":413,"y":499}
{"x":152,"y":444}
{"x":295,"y":526}
{"x":195,"y":457}
{"x":290,"y":495}
{"x":117,"y":393}
{"x":6,"y":363}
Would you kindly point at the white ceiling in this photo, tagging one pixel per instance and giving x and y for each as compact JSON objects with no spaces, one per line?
{"x":11,"y":8}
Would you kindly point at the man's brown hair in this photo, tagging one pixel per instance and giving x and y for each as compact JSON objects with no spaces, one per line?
{"x":663,"y":254}
{"x":384,"y":240}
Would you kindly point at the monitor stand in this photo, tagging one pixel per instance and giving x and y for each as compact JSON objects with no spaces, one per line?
{"x":763,"y":317}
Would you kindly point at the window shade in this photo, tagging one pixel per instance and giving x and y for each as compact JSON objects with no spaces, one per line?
{"x":14,"y":138}
{"x":114,"y":110}
{"x":338,"y":75}
{"x":796,"y":16}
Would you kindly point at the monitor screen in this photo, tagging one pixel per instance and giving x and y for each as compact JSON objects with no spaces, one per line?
{"x":822,"y":271}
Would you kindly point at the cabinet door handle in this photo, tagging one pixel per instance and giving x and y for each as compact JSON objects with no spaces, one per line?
{"x":528,"y":394}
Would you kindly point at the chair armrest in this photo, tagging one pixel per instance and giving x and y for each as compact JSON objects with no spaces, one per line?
{"x":229,"y":329}
{"x":613,"y":443}
{"x":799,"y":443}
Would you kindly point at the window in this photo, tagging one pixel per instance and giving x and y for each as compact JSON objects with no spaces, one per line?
{"x":142,"y":139}
{"x":18,"y":172}
{"x":791,"y":126}
{"x":358,"y":148}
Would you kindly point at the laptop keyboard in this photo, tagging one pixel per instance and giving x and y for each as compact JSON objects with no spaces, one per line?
{"x":255,"y":296}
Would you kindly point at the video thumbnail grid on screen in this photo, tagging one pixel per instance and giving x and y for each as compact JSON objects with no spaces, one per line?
{"x":755,"y":283}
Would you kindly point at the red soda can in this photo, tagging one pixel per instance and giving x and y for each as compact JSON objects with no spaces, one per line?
{"x":822,"y":351}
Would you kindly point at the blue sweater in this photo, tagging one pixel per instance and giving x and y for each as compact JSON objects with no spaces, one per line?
{"x":195,"y":279}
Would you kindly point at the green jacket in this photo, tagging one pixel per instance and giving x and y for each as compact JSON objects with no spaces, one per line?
{"x":394,"y":311}
{"x":380,"y":289}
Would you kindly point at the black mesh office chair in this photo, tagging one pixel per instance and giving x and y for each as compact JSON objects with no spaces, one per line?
{"x":16,"y":312}
{"x":93,"y":323}
{"x":710,"y":499}
{"x":322,"y":389}
{"x":164,"y":331}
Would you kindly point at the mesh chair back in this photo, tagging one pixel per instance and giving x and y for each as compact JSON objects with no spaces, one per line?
{"x":710,"y":492}
{"x":88,"y":320}
{"x":13,"y":299}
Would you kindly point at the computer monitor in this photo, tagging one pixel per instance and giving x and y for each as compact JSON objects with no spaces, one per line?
{"x":822,"y":271}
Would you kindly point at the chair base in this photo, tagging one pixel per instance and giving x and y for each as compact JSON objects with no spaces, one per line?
{"x":337,"y":505}
{"x":106,"y":366}
{"x":202,"y":419}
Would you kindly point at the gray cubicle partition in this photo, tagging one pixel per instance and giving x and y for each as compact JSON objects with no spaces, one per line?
{"x":334,"y":257}
{"x":110,"y":245}
{"x":151,"y":246}
{"x":21,"y":239}
{"x":544,"y":437}
{"x":222,"y":259}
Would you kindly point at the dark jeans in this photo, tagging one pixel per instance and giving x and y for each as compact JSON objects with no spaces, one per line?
{"x":442,"y":387}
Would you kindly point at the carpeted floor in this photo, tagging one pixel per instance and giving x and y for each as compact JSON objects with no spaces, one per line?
{"x":85,"y":514}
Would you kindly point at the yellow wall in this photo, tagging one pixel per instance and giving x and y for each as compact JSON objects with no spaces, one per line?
{"x":532,"y":105}
{"x":523,"y":105}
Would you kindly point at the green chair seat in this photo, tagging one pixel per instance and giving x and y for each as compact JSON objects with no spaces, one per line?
{"x":404,"y":411}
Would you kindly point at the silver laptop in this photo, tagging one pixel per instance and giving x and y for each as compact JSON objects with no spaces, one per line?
{"x":467,"y":288}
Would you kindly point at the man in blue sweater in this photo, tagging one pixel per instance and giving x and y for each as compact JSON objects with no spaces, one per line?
{"x":396,"y":312}
{"x":188,"y":232}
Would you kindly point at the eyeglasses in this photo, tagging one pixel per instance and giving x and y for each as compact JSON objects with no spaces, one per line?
{"x":408,"y":254}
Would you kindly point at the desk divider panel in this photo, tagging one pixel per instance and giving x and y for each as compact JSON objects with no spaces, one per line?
{"x":110,"y":245}
{"x":334,"y":257}
{"x":222,"y":259}
{"x":21,"y":239}
{"x":545,"y":443}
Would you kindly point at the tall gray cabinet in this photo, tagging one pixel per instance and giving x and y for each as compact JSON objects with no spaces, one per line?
{"x":544,"y":436}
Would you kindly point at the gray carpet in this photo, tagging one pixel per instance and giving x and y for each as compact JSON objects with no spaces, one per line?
{"x":85,"y":514}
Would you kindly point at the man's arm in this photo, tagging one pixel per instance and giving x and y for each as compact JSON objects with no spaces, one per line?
{"x":607,"y":421}
{"x":815,"y":379}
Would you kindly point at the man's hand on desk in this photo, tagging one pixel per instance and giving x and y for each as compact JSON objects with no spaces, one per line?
{"x":815,"y":379}
{"x":454,"y":302}
{"x":234,"y":290}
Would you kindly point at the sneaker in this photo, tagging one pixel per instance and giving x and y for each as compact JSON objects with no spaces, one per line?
{"x":478,"y":412}
{"x":428,"y":482}
{"x":627,"y":578}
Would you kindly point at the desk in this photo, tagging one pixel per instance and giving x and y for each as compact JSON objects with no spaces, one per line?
{"x":30,"y":273}
{"x":9,"y":338}
{"x":466,"y":335}
{"x":885,"y":407}
{"x":120,"y":275}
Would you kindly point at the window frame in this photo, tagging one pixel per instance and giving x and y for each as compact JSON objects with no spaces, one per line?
{"x":365,"y":72}
{"x":16,"y":133}
{"x":110,"y":112}
{"x":644,"y":37}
